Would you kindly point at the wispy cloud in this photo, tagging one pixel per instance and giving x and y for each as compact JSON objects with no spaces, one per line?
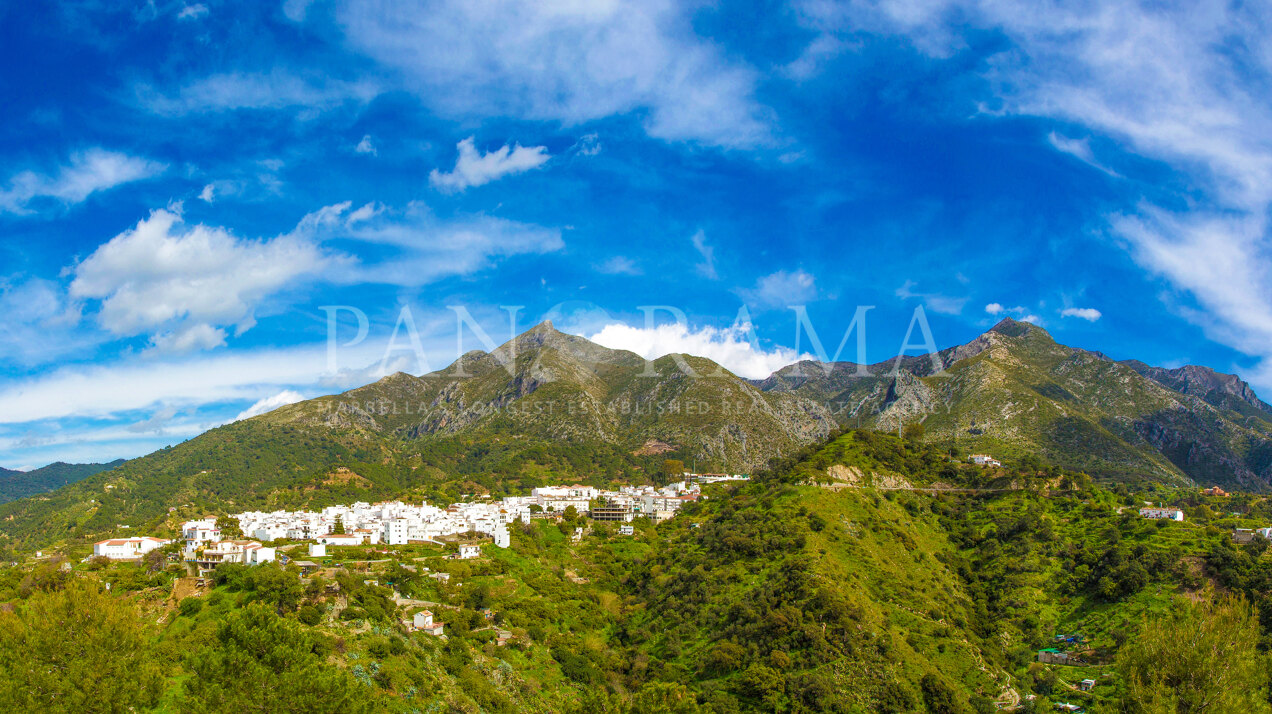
{"x":1183,"y":85}
{"x":566,"y":61}
{"x":1081,"y":150}
{"x":936,"y":302}
{"x":87,"y":173}
{"x":474,"y":168}
{"x":781,"y":289}
{"x":192,"y":12}
{"x":707,"y":268}
{"x":366,"y":146}
{"x":279,"y":89}
{"x":619,"y":265}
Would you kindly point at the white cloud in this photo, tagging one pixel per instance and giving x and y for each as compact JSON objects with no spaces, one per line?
{"x":707,"y":267}
{"x":1089,"y":314}
{"x":196,"y":336}
{"x":279,"y":89}
{"x":1019,"y":312}
{"x":1181,"y":84}
{"x":619,"y":265}
{"x":192,"y":12}
{"x":473,"y":168}
{"x":426,"y":248}
{"x":735,"y":348}
{"x":182,"y":282}
{"x":587,"y":145}
{"x":366,"y":147}
{"x":269,"y":404}
{"x":568,"y":61}
{"x":88,"y":172}
{"x":208,"y":194}
{"x":936,"y":302}
{"x":1079,"y":149}
{"x":780,"y":289}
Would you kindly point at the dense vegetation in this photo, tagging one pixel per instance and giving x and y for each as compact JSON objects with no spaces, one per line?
{"x":21,"y":484}
{"x":794,"y":592}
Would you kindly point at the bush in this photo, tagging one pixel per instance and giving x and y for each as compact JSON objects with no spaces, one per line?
{"x":190,"y":606}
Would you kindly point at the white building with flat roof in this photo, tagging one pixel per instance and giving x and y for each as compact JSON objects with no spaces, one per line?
{"x":126,"y":548}
{"x":1169,"y":514}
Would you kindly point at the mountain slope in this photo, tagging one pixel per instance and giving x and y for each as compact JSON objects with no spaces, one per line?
{"x":546,"y":407}
{"x":20,"y":484}
{"x":1014,"y":391}
{"x":550,"y":385}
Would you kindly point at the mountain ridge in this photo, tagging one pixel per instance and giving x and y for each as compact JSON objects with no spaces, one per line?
{"x":549,"y":407}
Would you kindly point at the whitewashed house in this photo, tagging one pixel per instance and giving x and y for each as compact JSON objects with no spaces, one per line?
{"x":197,"y":533}
{"x":317,"y":550}
{"x":984,"y":460}
{"x":424,"y":621}
{"x":626,"y":530}
{"x":1170,"y":514}
{"x":126,"y":548}
{"x":467,"y":552}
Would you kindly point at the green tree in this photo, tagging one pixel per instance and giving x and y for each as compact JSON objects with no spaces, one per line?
{"x":338,"y":528}
{"x":673,"y":468}
{"x":1200,"y":657}
{"x":664,"y":697}
{"x":76,"y":650}
{"x":913,"y":432}
{"x":939,"y":696}
{"x":260,"y":662}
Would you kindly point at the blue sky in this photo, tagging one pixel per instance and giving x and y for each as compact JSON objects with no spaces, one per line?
{"x":186,"y":189}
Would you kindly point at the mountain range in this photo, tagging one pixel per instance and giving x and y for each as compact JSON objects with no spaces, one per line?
{"x":20,"y":484}
{"x":549,"y":406}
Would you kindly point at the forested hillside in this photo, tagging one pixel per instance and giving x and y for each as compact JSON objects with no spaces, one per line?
{"x":20,"y":484}
{"x":867,"y":574}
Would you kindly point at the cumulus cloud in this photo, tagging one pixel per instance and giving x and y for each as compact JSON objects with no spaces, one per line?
{"x":735,"y":348}
{"x":571,"y":62}
{"x":473,"y":168}
{"x":780,"y":289}
{"x":707,"y":267}
{"x":1089,"y":314}
{"x":994,"y":308}
{"x":87,"y":173}
{"x":183,"y":282}
{"x":269,"y":404}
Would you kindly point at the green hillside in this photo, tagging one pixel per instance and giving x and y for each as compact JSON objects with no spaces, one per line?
{"x":866,"y":574}
{"x":1015,"y":391}
{"x":20,"y":484}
